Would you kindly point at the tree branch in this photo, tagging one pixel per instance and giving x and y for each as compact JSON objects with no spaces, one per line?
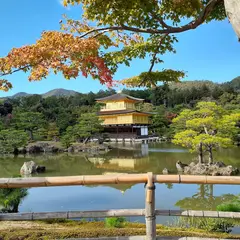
{"x":163,"y":23}
{"x":155,"y":54}
{"x":205,"y":129}
{"x":167,"y":29}
{"x":16,"y":70}
{"x":154,"y":57}
{"x":100,"y":33}
{"x":100,"y":29}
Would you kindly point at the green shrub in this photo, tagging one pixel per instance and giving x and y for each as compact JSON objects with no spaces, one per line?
{"x":233,"y":206}
{"x":208,"y":224}
{"x":229,"y":207}
{"x":115,"y":222}
{"x":11,"y":198}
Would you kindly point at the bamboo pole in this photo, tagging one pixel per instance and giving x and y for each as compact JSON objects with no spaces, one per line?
{"x":113,"y":213}
{"x":71,"y":214}
{"x":150,"y":216}
{"x":114,"y":179}
{"x":193,"y":213}
{"x":194,"y":179}
{"x":72,"y":180}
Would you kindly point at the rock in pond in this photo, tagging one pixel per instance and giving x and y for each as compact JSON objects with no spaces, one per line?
{"x":43,"y":147}
{"x":52,"y":147}
{"x":28,"y":168}
{"x":214,"y":169}
{"x":22,"y":150}
{"x":34,"y":149}
{"x":165,"y":171}
{"x":70,"y":149}
{"x":180,"y":166}
{"x":31,"y":167}
{"x":40,"y":169}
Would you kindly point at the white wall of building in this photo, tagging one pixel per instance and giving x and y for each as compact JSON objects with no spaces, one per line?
{"x":144,"y":131}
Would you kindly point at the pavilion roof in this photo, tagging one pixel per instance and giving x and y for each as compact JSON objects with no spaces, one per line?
{"x":118,"y":97}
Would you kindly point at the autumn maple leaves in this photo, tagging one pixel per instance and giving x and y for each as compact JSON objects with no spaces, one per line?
{"x":56,"y":52}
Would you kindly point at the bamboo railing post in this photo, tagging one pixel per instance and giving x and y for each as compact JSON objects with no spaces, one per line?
{"x":150,"y":216}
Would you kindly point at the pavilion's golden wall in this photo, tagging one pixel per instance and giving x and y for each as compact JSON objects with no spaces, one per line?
{"x":125,"y":119}
{"x":118,"y":105}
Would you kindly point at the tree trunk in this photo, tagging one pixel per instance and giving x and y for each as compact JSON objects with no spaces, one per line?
{"x":211,"y":193}
{"x":200,"y":153}
{"x":15,"y":151}
{"x":165,"y":102}
{"x":15,"y":207}
{"x":233,"y":12}
{"x":86,"y":140}
{"x":30,"y":132}
{"x":202,"y":191}
{"x":210,"y":161}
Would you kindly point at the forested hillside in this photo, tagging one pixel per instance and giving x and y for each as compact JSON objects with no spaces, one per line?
{"x":37,"y":117}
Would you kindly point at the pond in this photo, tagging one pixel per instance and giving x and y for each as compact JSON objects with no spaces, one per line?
{"x":139,"y":158}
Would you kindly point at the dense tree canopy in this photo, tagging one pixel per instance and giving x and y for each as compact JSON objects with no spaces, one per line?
{"x":29,"y":121}
{"x":5,"y":109}
{"x":73,"y":118}
{"x":11,"y":139}
{"x":87,"y":126}
{"x":114,"y":33}
{"x":206,"y":128}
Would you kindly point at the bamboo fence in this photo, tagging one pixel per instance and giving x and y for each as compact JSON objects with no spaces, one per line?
{"x":149,"y":212}
{"x":29,"y":216}
{"x":114,"y":179}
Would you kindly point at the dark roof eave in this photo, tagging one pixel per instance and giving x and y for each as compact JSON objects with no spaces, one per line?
{"x":120,"y":112}
{"x":119,"y":96}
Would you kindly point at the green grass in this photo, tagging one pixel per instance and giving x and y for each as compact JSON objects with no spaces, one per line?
{"x":206,"y":224}
{"x":58,"y":229}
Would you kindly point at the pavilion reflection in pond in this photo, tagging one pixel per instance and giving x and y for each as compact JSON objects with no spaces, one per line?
{"x":122,"y":159}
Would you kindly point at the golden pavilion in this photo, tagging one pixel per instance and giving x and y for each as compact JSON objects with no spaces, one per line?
{"x":122,"y":118}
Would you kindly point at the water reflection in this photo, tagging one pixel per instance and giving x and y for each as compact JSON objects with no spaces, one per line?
{"x":127,"y":158}
{"x":124,"y":158}
{"x":167,"y":150}
{"x":204,"y":199}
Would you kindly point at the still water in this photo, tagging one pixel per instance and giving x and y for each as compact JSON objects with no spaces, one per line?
{"x":153,"y":157}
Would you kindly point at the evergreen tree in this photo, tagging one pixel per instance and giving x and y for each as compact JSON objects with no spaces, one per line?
{"x":11,"y":140}
{"x":206,"y":128}
{"x":53,"y":131}
{"x":29,"y":121}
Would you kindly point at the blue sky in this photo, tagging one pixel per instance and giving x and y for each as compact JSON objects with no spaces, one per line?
{"x":210,"y":52}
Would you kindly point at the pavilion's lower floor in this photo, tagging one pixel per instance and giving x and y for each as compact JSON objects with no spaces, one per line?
{"x":126,"y":131}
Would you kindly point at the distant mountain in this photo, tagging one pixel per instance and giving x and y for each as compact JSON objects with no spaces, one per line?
{"x":198,"y":84}
{"x":55,"y":92}
{"x":20,"y":94}
{"x":59,"y":92}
